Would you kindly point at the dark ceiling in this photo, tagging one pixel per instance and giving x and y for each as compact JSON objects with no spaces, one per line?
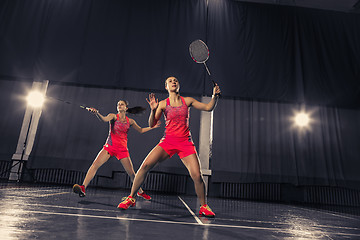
{"x":348,"y":6}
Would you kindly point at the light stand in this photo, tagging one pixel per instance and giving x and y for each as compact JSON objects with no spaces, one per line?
{"x":26,"y":140}
{"x":20,"y":164}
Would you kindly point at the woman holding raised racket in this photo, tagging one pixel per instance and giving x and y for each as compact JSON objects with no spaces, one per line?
{"x":116,"y":144}
{"x":177,"y":139}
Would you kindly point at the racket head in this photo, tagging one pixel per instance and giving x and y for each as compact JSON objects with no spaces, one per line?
{"x":199,"y":51}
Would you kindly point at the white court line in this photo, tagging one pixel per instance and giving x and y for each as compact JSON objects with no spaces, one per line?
{"x":189,"y":223}
{"x":227,"y":219}
{"x":283,"y":223}
{"x":192,"y":213}
{"x":65,"y":207}
{"x":31,"y":194}
{"x":24,"y":189}
{"x":51,"y":194}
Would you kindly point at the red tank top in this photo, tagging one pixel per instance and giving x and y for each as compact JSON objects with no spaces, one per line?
{"x":118,"y":133}
{"x":176,"y":120}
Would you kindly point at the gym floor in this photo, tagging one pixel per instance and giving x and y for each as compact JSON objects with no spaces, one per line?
{"x":29,"y":211}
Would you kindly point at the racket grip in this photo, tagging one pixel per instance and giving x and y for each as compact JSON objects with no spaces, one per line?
{"x":214,"y":83}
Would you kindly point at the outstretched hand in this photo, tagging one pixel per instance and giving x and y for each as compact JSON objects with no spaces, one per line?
{"x":152,"y":101}
{"x":92,"y":110}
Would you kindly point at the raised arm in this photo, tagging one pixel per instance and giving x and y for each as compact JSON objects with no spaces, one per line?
{"x":140,"y":129}
{"x":107,"y":118}
{"x":205,"y":106}
{"x":155,"y":109}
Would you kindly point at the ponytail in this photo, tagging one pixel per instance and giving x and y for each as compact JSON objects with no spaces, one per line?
{"x":133,"y":110}
{"x":136,"y":110}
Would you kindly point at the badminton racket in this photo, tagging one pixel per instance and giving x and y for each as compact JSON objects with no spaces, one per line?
{"x":67,"y":102}
{"x":199,"y":52}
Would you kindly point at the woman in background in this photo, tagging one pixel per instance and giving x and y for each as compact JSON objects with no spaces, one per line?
{"x":116,"y":144}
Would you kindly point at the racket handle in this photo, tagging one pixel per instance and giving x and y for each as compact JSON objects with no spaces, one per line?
{"x":214,"y":83}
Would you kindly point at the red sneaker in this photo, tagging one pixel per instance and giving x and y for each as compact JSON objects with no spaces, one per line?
{"x":206,"y":211}
{"x":144,"y":196}
{"x":79,"y":189}
{"x":128,"y":202}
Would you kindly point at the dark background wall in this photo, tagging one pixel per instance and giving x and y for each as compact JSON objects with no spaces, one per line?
{"x":268,"y":60}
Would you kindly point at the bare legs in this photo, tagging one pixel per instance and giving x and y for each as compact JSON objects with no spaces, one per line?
{"x":128,"y":166}
{"x":191,"y":162}
{"x":156,"y":155}
{"x":102,"y":157}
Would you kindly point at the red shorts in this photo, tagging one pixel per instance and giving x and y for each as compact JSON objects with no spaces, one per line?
{"x":181,"y":146}
{"x":119,"y":153}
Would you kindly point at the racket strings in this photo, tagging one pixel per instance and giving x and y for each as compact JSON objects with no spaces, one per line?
{"x":199,"y":51}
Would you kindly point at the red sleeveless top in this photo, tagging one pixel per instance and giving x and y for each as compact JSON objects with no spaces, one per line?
{"x":176,"y":120}
{"x":118,"y":133}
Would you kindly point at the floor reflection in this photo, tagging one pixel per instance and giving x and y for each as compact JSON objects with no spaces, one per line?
{"x":14,"y":217}
{"x":44,"y":213}
{"x":303,"y":228}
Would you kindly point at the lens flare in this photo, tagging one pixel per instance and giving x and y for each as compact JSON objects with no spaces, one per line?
{"x":35,"y":99}
{"x":302,"y":119}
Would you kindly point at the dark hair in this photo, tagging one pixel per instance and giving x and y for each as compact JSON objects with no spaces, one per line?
{"x":133,"y":110}
{"x":136,"y":110}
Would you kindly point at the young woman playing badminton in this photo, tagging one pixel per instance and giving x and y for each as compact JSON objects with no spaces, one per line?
{"x":177,"y":139}
{"x":116,"y":144}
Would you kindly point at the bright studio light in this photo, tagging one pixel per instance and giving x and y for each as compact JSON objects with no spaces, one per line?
{"x":302,"y":119}
{"x":35,"y":99}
